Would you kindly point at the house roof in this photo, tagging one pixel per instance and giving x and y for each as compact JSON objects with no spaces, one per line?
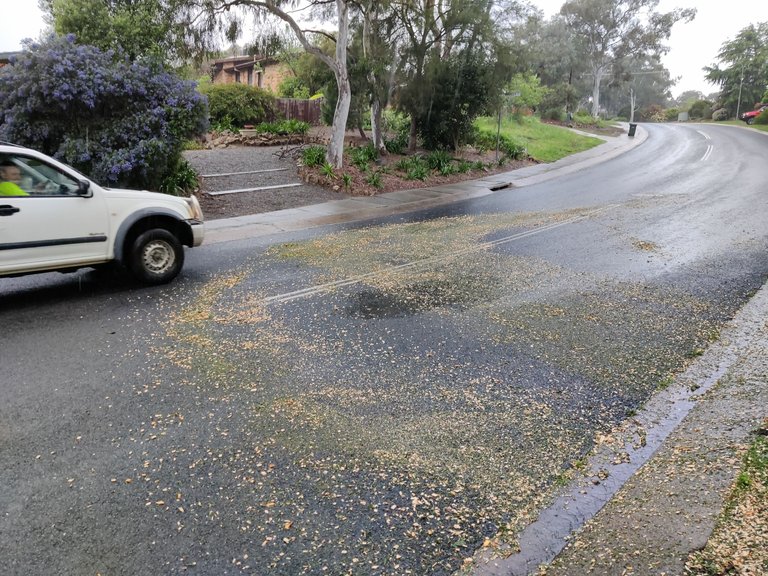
{"x":239,"y":63}
{"x":5,"y":57}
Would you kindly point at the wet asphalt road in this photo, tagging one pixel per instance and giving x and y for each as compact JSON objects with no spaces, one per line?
{"x":369,"y":399}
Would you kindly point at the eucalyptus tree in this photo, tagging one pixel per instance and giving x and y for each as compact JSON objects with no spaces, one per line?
{"x":211,"y":17}
{"x":742,"y":68}
{"x":440,"y":33}
{"x":610,"y":31}
{"x":688,"y":97}
{"x":639,"y":82}
{"x":138,"y":29}
{"x":381,"y":42}
{"x":553,"y":55}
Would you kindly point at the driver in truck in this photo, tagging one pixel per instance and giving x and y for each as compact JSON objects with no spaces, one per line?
{"x":10,"y":176}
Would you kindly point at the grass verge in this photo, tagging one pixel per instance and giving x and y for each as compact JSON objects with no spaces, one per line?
{"x":544,"y":142}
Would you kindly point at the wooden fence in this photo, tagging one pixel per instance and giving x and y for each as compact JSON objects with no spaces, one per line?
{"x":305,"y":110}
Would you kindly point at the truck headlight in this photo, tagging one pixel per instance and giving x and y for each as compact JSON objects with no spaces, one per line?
{"x":194,"y":207}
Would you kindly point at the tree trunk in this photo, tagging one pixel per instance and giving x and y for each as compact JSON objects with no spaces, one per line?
{"x":632,"y":104}
{"x":376,"y":127}
{"x":335,"y":152}
{"x":599,"y":72}
{"x":413,"y":136}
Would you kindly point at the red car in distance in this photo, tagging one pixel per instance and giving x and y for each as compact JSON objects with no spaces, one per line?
{"x":751,"y":116}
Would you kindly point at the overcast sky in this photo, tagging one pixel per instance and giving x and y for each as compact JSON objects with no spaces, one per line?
{"x":693,"y":45}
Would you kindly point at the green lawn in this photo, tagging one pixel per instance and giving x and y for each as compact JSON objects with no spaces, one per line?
{"x":545,"y":143}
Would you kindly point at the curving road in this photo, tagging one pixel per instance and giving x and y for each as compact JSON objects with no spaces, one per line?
{"x":383,"y":398}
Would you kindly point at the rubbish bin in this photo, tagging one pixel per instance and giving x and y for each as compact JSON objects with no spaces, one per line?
{"x":632,"y":128}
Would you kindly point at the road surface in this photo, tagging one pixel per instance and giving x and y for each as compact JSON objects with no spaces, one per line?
{"x":378,"y":398}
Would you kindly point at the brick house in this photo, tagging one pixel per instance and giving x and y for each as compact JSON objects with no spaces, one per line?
{"x":5,"y":57}
{"x":264,"y":73}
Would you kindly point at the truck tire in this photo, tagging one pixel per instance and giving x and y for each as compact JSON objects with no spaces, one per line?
{"x":156,"y":257}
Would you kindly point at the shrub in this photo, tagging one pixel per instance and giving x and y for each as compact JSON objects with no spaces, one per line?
{"x":238,"y":104}
{"x":556,"y":114}
{"x":292,"y":87}
{"x":403,"y":164}
{"x":651,"y":113}
{"x":463,"y":166}
{"x":374,"y":179}
{"x":488,"y":140}
{"x":396,"y":145}
{"x":361,"y":162}
{"x":313,"y":156}
{"x":762,"y":119}
{"x":415,"y":168}
{"x":720,"y":115}
{"x":397,"y":127}
{"x":448,"y":169}
{"x":225,"y":124}
{"x":418,"y":171}
{"x":700,"y":109}
{"x":583,"y":116}
{"x":182,"y":180}
{"x":528,"y":92}
{"x":671,"y":114}
{"x":328,"y":171}
{"x":122,"y":123}
{"x":438,"y":160}
{"x":363,"y":155}
{"x":459,"y":90}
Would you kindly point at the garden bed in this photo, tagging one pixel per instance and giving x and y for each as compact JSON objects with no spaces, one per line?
{"x":382,"y":175}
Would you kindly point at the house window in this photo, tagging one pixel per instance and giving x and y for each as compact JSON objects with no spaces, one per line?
{"x":250,"y":77}
{"x":237,"y":76}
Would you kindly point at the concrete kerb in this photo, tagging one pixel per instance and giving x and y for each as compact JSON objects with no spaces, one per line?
{"x":365,"y":208}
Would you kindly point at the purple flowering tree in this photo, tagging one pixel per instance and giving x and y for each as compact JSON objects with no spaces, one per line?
{"x":121,"y":122}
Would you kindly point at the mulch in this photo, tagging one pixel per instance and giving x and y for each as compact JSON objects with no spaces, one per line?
{"x":319,"y":187}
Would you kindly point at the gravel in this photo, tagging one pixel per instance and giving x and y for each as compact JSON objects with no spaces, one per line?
{"x":263,"y":167}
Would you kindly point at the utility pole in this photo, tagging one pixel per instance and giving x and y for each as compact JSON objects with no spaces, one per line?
{"x":741,"y":83}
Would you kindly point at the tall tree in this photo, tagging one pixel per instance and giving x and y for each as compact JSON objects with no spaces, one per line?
{"x":609,"y":31}
{"x":139,"y":29}
{"x":212,"y":15}
{"x":555,"y":58}
{"x":437,"y":30}
{"x":641,"y":82}
{"x":381,"y":43}
{"x":742,"y":72}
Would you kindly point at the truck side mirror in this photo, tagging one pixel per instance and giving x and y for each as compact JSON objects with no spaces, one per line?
{"x":84,"y":188}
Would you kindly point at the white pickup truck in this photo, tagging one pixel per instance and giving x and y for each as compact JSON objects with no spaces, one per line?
{"x":53,"y":218}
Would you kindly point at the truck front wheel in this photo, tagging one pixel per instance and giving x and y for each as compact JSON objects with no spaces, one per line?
{"x":156,"y":256}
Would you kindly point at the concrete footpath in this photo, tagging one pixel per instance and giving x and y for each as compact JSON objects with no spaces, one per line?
{"x":651,"y":493}
{"x":382,"y":205}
